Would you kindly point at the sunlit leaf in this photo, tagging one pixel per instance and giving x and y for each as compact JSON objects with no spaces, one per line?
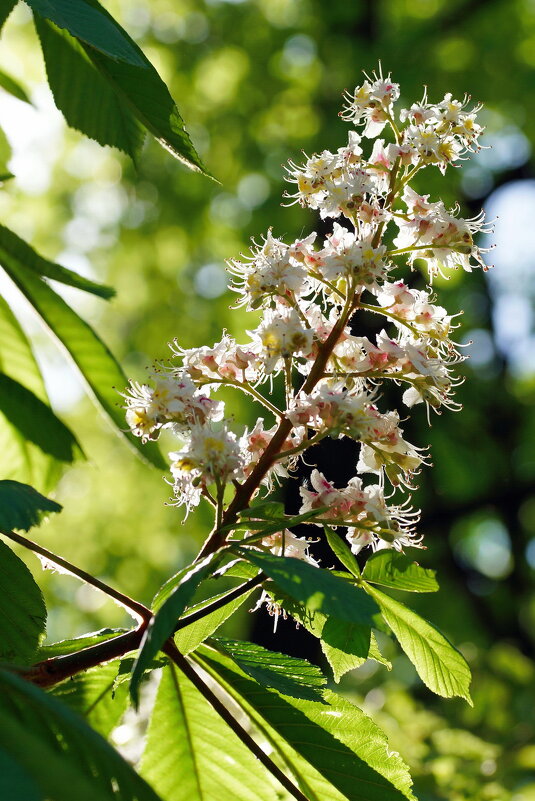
{"x":124,"y":67}
{"x":440,"y":666}
{"x":334,"y":750}
{"x":63,"y":756}
{"x":6,"y":7}
{"x":286,"y":674}
{"x":95,"y":696}
{"x":97,"y":365}
{"x":87,"y":100}
{"x":191,"y":753}
{"x":36,"y":422}
{"x":318,"y":589}
{"x":189,"y":637}
{"x":392,"y":569}
{"x":163,"y":623}
{"x":13,"y":87}
{"x":13,"y":248}
{"x":21,"y":460}
{"x":70,"y":646}
{"x":22,"y":609}
{"x":342,"y":551}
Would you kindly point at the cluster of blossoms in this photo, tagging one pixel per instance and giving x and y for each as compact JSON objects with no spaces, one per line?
{"x":309,"y":292}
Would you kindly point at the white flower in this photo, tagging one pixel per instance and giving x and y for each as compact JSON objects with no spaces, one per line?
{"x":173,"y":400}
{"x":284,"y":543}
{"x":281,"y":335}
{"x":349,"y":256}
{"x":209,"y":456}
{"x":274,"y":269}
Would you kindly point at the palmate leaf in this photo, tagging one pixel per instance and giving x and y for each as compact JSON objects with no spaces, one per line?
{"x":333,"y":749}
{"x":22,"y":609}
{"x":20,"y":460}
{"x":95,"y":362}
{"x":392,"y":569}
{"x":318,"y":589}
{"x":286,"y":674}
{"x":95,"y":696}
{"x":140,"y":91}
{"x":36,"y":422}
{"x":192,"y":755}
{"x":440,"y":666}
{"x":163,"y":623}
{"x":59,"y":752}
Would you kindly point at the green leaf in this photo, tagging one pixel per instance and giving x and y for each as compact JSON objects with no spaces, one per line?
{"x":238,"y":568}
{"x":342,"y":551}
{"x":99,"y":368}
{"x":5,"y":156}
{"x":163,"y":623}
{"x":268,"y":510}
{"x":87,"y":100}
{"x":63,"y":647}
{"x":334,"y":750}
{"x":63,"y":756}
{"x":318,"y":589}
{"x":22,"y":609}
{"x":6,"y":7}
{"x":36,"y":421}
{"x":12,"y":86}
{"x":345,"y":645}
{"x":440,"y":666}
{"x":392,"y":569}
{"x":191,"y":753}
{"x":94,"y":695}
{"x":124,"y":67}
{"x":168,"y":587}
{"x":13,"y":248}
{"x":22,"y":507}
{"x":15,"y":784}
{"x":286,"y":674}
{"x":346,"y":654}
{"x":188,"y":638}
{"x":20,"y":460}
{"x":90,"y":23}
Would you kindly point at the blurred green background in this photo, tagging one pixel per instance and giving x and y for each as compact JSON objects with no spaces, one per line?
{"x":257,"y":82}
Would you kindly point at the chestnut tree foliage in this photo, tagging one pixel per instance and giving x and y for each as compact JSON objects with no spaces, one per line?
{"x":232,"y":719}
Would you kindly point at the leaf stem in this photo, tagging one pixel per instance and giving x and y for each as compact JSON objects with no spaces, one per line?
{"x":138,"y":611}
{"x":189,"y":671}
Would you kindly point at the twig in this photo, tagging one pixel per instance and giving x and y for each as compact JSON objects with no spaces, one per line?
{"x":52,"y":671}
{"x":138,"y":611}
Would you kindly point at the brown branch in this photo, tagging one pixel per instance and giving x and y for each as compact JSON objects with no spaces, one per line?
{"x":58,"y":668}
